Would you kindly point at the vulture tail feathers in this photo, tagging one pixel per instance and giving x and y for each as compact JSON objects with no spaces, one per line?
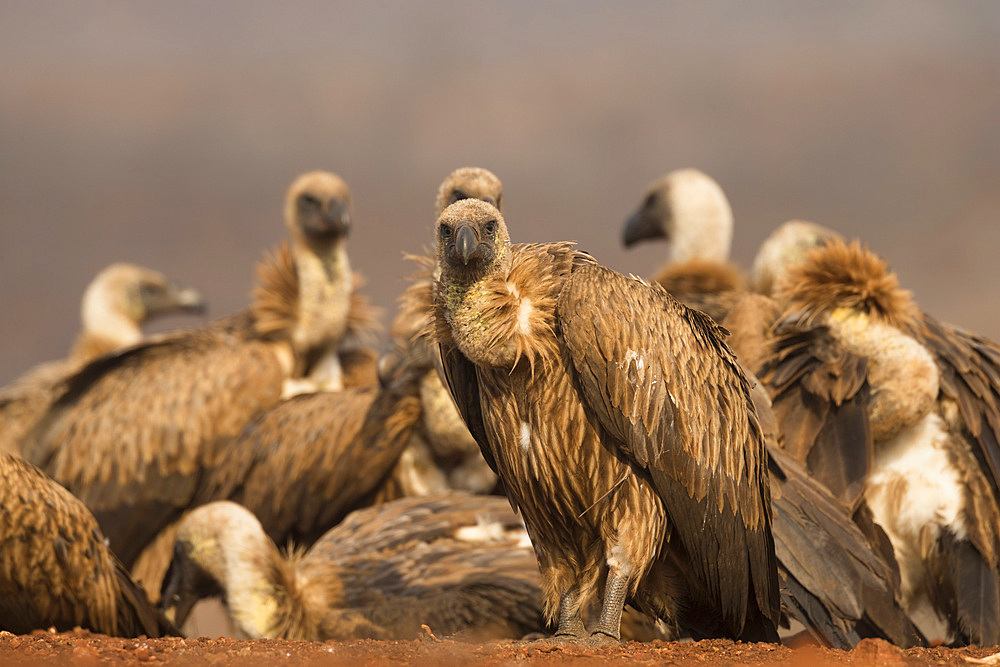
{"x":971,"y":584}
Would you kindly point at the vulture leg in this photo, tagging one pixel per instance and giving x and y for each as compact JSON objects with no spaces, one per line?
{"x":614,"y":600}
{"x":570,"y":622}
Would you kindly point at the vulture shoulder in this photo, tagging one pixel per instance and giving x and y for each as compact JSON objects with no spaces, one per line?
{"x":55,"y":568}
{"x":133,"y":430}
{"x":658,"y":379}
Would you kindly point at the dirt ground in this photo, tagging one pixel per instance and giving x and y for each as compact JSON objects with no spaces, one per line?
{"x":81,"y":647}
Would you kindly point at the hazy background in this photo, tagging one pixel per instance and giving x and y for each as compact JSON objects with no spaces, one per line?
{"x":167,"y":133}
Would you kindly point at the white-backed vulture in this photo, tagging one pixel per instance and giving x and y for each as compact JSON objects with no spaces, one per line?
{"x":690,"y":210}
{"x":133,"y":430}
{"x":900,"y":413}
{"x":785,"y":247}
{"x":454,"y":563}
{"x":55,"y":569}
{"x":115,"y":305}
{"x":620,"y":425}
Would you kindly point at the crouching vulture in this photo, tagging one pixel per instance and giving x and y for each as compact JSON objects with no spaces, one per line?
{"x":55,"y":568}
{"x":455,"y":563}
{"x":621,"y":427}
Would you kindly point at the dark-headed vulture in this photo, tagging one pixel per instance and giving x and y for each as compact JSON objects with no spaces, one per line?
{"x":899,"y":415}
{"x":55,"y":569}
{"x":115,"y":305}
{"x":454,"y":563}
{"x":132,"y":431}
{"x":620,"y":425}
{"x":689,"y":209}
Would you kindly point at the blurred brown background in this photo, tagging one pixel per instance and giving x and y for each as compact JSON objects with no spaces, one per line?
{"x":166,"y":133}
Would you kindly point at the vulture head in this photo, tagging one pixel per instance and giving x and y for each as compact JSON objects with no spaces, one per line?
{"x":123,"y":296}
{"x":212,"y":542}
{"x":318,"y":208}
{"x":689,"y":209}
{"x":784,"y":248}
{"x":470,"y":183}
{"x":472,"y":241}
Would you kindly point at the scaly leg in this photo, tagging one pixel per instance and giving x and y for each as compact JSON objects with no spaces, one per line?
{"x":570,"y":621}
{"x":611,"y":610}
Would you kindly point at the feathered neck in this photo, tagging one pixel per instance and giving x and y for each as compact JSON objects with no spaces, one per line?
{"x":842,"y":275}
{"x":106,"y":324}
{"x":701,"y":276}
{"x":508,"y":315}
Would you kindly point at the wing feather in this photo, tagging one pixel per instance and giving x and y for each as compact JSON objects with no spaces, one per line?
{"x":661,"y":383}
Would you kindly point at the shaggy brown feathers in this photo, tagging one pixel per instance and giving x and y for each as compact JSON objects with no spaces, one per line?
{"x":452,"y":563}
{"x":55,"y":569}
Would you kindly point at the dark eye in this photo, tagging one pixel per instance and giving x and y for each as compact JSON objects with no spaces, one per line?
{"x":308,"y":201}
{"x":489,"y":200}
{"x":650,"y":200}
{"x":444,"y":231}
{"x":458,"y":195}
{"x":491,"y":227}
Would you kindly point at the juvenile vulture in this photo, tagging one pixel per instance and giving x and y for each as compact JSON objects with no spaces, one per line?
{"x":55,"y":569}
{"x":115,"y":305}
{"x":620,"y":425}
{"x":133,"y":430}
{"x":900,"y":414}
{"x":690,"y":210}
{"x":453,"y":563}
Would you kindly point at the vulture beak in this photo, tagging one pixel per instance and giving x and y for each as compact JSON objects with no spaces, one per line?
{"x":173,"y":299}
{"x":337,"y":217}
{"x":466,"y":241}
{"x":641,"y":225}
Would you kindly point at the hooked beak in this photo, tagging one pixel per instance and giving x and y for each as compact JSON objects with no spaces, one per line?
{"x":466,"y":242}
{"x":174,"y":299}
{"x":338,"y":217}
{"x":640,"y":226}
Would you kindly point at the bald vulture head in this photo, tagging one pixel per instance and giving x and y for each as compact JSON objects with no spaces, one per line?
{"x":472,"y":241}
{"x":689,"y":209}
{"x":470,"y":183}
{"x":318,"y":209}
{"x":123,"y":296}
{"x":785,"y":247}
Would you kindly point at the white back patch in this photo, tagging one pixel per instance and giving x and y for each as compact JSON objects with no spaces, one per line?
{"x":524,"y":316}
{"x":525,"y":438}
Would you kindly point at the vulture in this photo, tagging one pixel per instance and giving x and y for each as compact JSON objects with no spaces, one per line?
{"x":690,"y":210}
{"x":55,"y":568}
{"x":621,"y":427}
{"x":453,"y":563}
{"x":132,"y":430}
{"x":116,"y":303}
{"x":441,"y":454}
{"x":305,"y":463}
{"x":899,"y":415}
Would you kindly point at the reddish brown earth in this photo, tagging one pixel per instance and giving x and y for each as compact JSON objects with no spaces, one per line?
{"x":83,"y":647}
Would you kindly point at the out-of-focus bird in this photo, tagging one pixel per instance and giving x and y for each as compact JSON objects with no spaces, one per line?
{"x":898,"y":414}
{"x":55,"y":569}
{"x":455,"y":563}
{"x":117,"y":302}
{"x":689,"y":209}
{"x":620,"y":425}
{"x":132,"y":431}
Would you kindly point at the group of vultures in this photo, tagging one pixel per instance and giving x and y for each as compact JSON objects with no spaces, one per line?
{"x":544,"y":449}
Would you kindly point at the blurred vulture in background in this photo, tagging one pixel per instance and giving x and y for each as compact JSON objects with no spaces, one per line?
{"x":455,"y":563}
{"x":689,"y":209}
{"x":625,"y":471}
{"x":55,"y":569}
{"x":132,"y":430}
{"x":116,"y":303}
{"x":899,"y":415}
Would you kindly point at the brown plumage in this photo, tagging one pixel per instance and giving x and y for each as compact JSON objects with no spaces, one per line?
{"x":868,"y":389}
{"x":783,"y":248}
{"x":668,"y":498}
{"x":133,"y":431}
{"x":689,"y":209}
{"x":55,"y":569}
{"x":115,"y":305}
{"x":455,"y":563}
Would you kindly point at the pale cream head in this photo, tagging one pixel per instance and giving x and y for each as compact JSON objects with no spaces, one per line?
{"x":785,"y":247}
{"x":470,"y":183}
{"x":318,"y":208}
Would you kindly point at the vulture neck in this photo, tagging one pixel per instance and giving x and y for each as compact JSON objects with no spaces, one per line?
{"x":105,"y":326}
{"x":702,"y":233}
{"x":324,"y":295}
{"x":252,"y":591}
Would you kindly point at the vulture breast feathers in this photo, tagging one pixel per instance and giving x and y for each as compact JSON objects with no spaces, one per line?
{"x":621,"y":425}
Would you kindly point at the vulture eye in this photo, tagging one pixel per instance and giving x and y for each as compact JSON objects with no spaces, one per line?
{"x":489,"y":200}
{"x":444,"y":231}
{"x":651,"y":199}
{"x":308,"y":201}
{"x":491,"y":227}
{"x":458,"y":195}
